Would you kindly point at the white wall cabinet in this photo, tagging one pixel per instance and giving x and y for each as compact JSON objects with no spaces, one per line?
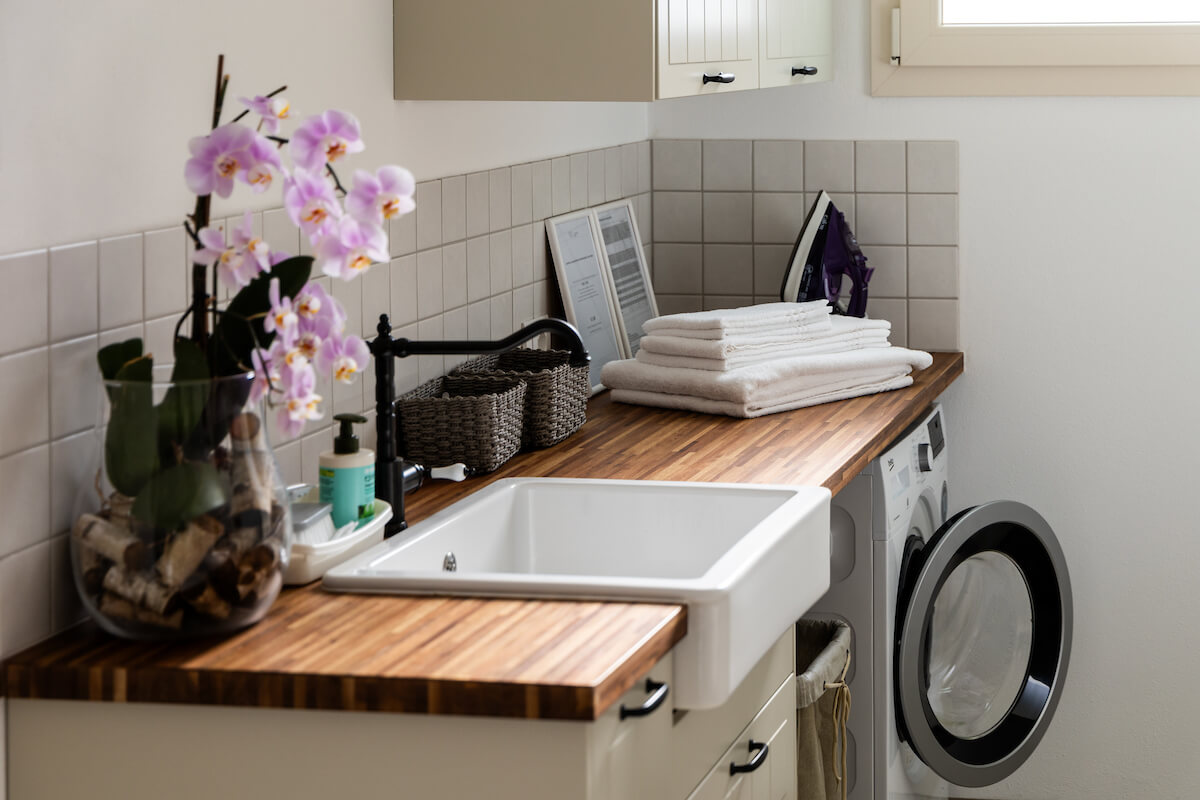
{"x":140,"y":751}
{"x":619,"y":50}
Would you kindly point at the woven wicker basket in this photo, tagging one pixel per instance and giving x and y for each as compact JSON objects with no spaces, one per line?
{"x":473,"y":419}
{"x":556,"y":400}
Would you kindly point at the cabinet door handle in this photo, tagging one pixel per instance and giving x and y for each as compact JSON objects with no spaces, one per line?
{"x":803,"y":71}
{"x":759,"y":757}
{"x":720,"y":77}
{"x":658,"y":693}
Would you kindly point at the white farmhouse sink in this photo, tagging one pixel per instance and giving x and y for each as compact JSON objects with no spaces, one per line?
{"x":748,"y":560}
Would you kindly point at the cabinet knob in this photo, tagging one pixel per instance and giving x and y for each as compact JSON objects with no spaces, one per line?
{"x":803,"y":71}
{"x":760,"y":751}
{"x":720,"y":77}
{"x":658,"y":693}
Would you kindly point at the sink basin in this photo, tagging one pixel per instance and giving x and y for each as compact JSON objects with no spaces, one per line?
{"x":748,"y":560}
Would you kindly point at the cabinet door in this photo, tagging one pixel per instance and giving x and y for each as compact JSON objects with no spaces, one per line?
{"x":796,"y":37}
{"x":775,"y":777}
{"x":631,"y":756}
{"x":707,"y":37}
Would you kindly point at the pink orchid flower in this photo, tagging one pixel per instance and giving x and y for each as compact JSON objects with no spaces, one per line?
{"x":262,"y":161}
{"x":245,"y":240}
{"x":302,"y":402}
{"x":346,"y":357}
{"x":266,"y":374}
{"x":311,"y":203}
{"x":317,"y":307}
{"x":325,"y":138}
{"x":270,"y":109}
{"x":387,"y":194}
{"x":217,"y":159}
{"x":281,"y":319}
{"x":351,"y":249}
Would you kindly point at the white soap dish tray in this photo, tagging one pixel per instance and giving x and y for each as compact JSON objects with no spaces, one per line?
{"x":308,"y":562}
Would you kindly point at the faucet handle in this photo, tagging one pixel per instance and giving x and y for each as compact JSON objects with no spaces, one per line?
{"x":452,"y":472}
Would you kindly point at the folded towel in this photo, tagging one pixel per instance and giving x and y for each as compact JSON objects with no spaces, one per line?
{"x":724,"y":348}
{"x":748,"y":384}
{"x":689,"y":403}
{"x":748,"y":319}
{"x":837,"y":344}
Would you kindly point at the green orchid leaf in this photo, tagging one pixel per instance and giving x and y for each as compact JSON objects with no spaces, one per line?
{"x":114,"y":356}
{"x":183,"y":406}
{"x":131,"y":443}
{"x":180,"y":493}
{"x":242,"y":322}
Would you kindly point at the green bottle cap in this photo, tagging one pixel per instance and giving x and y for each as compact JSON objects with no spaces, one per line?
{"x":346,"y":442}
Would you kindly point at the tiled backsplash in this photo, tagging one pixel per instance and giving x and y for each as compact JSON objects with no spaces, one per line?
{"x":471,"y":262}
{"x":727,"y":212}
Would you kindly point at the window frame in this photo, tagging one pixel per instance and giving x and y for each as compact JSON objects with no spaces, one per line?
{"x":959,"y":60}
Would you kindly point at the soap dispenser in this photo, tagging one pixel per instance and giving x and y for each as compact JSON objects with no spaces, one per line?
{"x":347,"y":474}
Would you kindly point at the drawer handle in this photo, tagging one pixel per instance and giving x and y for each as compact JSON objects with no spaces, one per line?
{"x":720,"y":77}
{"x":803,"y":71}
{"x":759,"y":757}
{"x":658,"y":693}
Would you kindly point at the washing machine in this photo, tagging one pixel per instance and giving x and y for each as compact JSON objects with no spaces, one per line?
{"x":961,"y":625}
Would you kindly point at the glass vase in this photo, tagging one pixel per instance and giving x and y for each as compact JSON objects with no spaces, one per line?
{"x":182,"y":528}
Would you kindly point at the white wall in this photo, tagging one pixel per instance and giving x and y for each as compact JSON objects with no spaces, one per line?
{"x":1080,"y":285}
{"x":100,"y":99}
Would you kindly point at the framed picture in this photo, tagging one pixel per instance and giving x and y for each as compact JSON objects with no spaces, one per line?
{"x":582,"y":278}
{"x":625,"y":266}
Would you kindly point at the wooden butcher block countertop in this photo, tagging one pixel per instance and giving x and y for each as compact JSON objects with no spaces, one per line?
{"x":512,"y":658}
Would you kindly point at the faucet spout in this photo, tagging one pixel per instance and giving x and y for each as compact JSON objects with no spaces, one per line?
{"x":389,"y":465}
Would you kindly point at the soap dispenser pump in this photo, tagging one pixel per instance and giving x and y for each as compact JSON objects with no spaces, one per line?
{"x":347,"y":474}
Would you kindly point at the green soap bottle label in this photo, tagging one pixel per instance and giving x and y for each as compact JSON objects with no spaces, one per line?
{"x":351,"y":490}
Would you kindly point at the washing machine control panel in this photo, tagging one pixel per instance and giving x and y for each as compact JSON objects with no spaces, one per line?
{"x":914,"y":463}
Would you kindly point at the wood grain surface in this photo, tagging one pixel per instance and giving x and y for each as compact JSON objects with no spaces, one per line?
{"x":515,"y":658}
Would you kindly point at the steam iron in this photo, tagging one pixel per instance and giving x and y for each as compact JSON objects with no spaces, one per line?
{"x":826,"y":252}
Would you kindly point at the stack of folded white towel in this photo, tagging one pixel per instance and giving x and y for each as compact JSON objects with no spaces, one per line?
{"x":747,"y":362}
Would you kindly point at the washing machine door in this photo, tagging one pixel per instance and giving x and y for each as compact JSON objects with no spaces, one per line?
{"x":983,"y":636}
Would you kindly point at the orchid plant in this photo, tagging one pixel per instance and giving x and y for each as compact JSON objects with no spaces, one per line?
{"x":279,"y":324}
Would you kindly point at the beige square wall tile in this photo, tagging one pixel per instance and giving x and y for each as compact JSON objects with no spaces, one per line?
{"x":479,"y":320}
{"x":500,"y":202}
{"x":728,"y":269}
{"x":429,"y":367}
{"x":894,"y":311}
{"x":597,"y":177}
{"x":613,"y":163}
{"x":479,"y":204}
{"x":716,"y":301}
{"x":403,"y":235}
{"x":429,"y":214}
{"x":677,"y":216}
{"x":502,"y":315}
{"x":164,"y":254}
{"x":454,"y":275}
{"x":73,"y":379}
{"x":25,"y":301}
{"x":933,"y":271}
{"x":541,"y":176}
{"x":676,"y":165}
{"x":644,"y":216}
{"x":879,"y":166}
{"x":779,"y":166}
{"x":829,"y":165}
{"x":25,"y":497}
{"x":880,"y":219}
{"x":728,"y":217}
{"x":778,"y":217}
{"x":24,"y":400}
{"x":561,"y":185}
{"x":376,"y":296}
{"x":501,"y":261}
{"x":890,"y":276}
{"x":629,"y":169}
{"x":24,"y":598}
{"x":404,"y":291}
{"x":522,"y":255}
{"x":479,"y":269}
{"x":933,"y":325}
{"x":65,"y":607}
{"x":933,"y":167}
{"x":933,"y":219}
{"x":579,"y":181}
{"x":454,"y":208}
{"x":728,"y":165}
{"x":645,"y":176}
{"x":73,"y":461}
{"x":429,"y":283}
{"x":350,"y":295}
{"x":522,"y":194}
{"x":679,"y":303}
{"x":678,"y":269}
{"x":121,"y":281}
{"x":770,"y":262}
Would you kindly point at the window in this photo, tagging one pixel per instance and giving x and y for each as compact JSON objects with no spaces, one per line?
{"x":1035,"y":47}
